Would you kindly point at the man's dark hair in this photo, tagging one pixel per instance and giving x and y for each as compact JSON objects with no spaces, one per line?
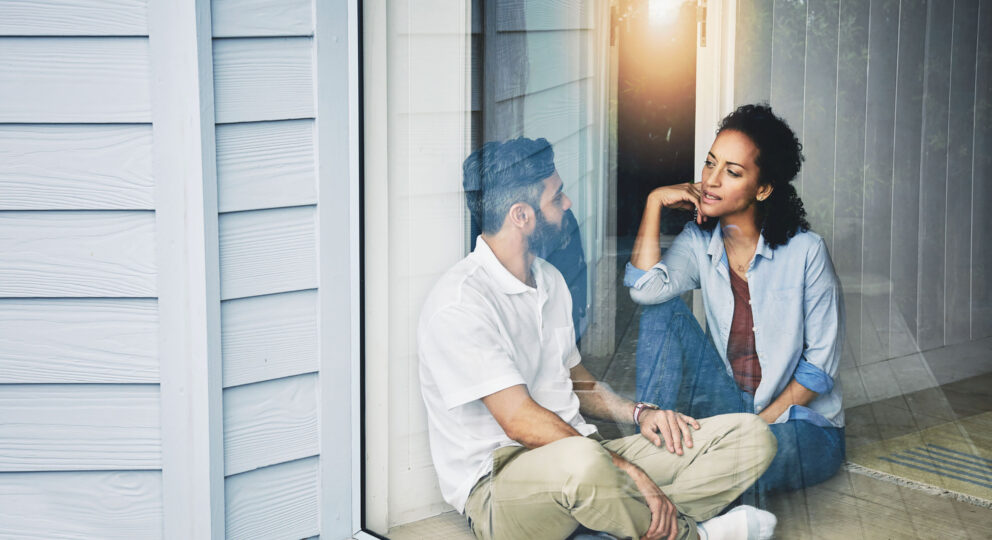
{"x":780,"y":155}
{"x":501,"y":174}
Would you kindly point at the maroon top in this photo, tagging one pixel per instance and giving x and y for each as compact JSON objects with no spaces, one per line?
{"x":741,"y":350}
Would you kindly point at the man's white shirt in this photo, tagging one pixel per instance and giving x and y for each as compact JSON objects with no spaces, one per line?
{"x":482,"y":330}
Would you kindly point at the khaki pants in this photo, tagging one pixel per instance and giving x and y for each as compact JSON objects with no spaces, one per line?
{"x":547,"y":492}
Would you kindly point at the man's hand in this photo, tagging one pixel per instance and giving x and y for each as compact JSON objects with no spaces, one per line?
{"x":664,"y":515}
{"x":669,"y":427}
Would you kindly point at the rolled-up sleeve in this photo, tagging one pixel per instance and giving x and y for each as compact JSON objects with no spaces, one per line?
{"x":823,"y":308}
{"x":676,"y":273}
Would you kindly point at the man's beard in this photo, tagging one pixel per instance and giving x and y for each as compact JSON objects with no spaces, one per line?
{"x":546,"y":237}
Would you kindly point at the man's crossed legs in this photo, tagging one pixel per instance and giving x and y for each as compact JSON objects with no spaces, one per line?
{"x":547,"y":492}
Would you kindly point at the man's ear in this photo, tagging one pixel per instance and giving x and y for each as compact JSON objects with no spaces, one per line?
{"x":520,"y":213}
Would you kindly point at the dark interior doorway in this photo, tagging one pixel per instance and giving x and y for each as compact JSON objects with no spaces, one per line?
{"x":656,"y":106}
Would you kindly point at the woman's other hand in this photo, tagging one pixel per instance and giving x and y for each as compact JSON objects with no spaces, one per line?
{"x":681,"y":196}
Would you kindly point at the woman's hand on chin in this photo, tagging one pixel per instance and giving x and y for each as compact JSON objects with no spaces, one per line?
{"x":681,"y":196}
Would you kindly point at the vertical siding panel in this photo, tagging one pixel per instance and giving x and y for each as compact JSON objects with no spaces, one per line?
{"x":819,"y":116}
{"x":961,"y":116}
{"x":981,"y":229}
{"x":906,"y":178}
{"x":882,"y":34}
{"x":753,"y":62}
{"x":852,"y":67}
{"x":789,"y":66}
{"x":933,"y":177}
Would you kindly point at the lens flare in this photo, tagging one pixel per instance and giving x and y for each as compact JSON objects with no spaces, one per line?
{"x":663,"y":12}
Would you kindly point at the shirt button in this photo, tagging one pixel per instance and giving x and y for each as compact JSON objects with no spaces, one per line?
{"x":754,"y":328}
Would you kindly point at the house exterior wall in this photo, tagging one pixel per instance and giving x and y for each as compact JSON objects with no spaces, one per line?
{"x":891,"y":99}
{"x":264,"y":99}
{"x":79,"y":367}
{"x":102,"y":326}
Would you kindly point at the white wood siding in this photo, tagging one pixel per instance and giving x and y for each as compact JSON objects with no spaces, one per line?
{"x":77,"y":254}
{"x":274,"y":502}
{"x":266,"y":165}
{"x":86,"y":221}
{"x":74,"y":79}
{"x":76,"y":167}
{"x":889,"y":97}
{"x":79,"y":368}
{"x":269,"y":251}
{"x":79,"y":427}
{"x":63,"y":340}
{"x":268,"y":337}
{"x":73,"y":18}
{"x":265,"y":112}
{"x":269,"y":423}
{"x":263,"y":79}
{"x":93,"y":504}
{"x":240,"y":18}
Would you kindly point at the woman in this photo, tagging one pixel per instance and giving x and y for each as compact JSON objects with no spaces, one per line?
{"x":774,"y":313}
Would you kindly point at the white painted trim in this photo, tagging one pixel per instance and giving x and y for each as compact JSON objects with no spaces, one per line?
{"x":337,"y":152}
{"x":714,"y":89}
{"x":188,"y":269}
{"x":714,"y":73}
{"x":376,"y":180}
{"x":354,"y":204}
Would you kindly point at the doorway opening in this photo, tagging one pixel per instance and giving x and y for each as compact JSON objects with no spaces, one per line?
{"x":656,"y":107}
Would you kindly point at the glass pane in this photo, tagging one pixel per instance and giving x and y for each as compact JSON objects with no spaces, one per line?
{"x":552,"y":278}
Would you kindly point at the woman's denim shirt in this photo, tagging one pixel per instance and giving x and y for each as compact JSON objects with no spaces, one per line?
{"x":796,"y":302}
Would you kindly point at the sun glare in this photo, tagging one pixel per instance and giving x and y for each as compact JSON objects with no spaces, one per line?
{"x":663,"y":12}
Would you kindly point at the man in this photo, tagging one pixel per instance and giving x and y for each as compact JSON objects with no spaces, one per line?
{"x":505,"y":392}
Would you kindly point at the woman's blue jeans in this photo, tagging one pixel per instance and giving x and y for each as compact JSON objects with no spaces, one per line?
{"x":678,"y":368}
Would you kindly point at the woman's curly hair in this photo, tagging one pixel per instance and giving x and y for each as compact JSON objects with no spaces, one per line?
{"x":780,"y":155}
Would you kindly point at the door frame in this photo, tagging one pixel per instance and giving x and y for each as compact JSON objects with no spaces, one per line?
{"x":716,"y":31}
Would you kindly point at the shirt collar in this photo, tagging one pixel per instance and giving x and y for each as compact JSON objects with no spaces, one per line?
{"x":763,"y":249}
{"x":506,"y":280}
{"x":716,"y":249}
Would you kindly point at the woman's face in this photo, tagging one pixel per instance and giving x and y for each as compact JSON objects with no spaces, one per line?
{"x":730,"y":176}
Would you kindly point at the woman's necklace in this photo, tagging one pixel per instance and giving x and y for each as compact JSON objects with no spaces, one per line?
{"x":732,"y":254}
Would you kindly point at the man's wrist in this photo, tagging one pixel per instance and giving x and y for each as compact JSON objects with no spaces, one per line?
{"x":639,"y":409}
